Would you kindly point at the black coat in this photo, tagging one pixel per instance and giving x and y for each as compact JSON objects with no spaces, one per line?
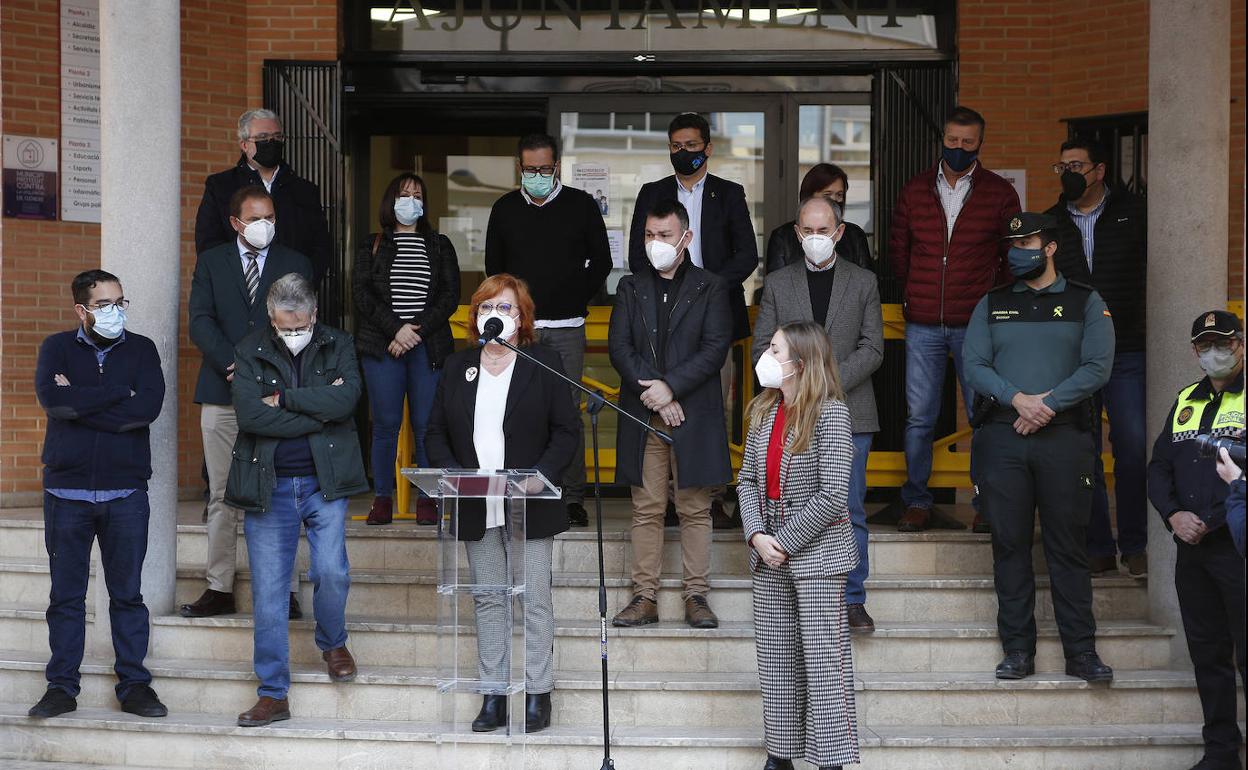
{"x":784,"y":248}
{"x":540,"y":426}
{"x":729,"y":248}
{"x":376,"y":323}
{"x":1119,"y":265}
{"x":296,"y":206}
{"x":698,"y":339}
{"x":220,"y":314}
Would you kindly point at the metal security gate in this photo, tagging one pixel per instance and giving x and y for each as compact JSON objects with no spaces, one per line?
{"x":308,"y":98}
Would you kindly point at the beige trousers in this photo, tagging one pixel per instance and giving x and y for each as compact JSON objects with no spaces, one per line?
{"x":693,"y":506}
{"x":219,"y":428}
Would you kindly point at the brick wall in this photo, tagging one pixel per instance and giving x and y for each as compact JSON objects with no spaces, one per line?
{"x":224,"y":45}
{"x":1028,"y":65}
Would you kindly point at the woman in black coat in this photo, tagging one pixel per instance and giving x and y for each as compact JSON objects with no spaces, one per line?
{"x":405,"y":285}
{"x":783,"y":246}
{"x":496,"y":410}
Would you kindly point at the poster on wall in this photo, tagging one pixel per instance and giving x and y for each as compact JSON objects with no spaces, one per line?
{"x":80,"y":110}
{"x":1018,"y":178}
{"x":29,"y":177}
{"x":595,"y":179}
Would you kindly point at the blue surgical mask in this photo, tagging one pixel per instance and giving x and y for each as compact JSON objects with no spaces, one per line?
{"x":110,"y":322}
{"x":958,"y":159}
{"x":1026,"y":263}
{"x":538,"y":186}
{"x":408,"y":209}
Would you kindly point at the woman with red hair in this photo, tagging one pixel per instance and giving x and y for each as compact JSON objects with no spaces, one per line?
{"x":494,"y":410}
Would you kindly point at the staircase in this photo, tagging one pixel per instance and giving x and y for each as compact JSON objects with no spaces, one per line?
{"x":681,"y":698}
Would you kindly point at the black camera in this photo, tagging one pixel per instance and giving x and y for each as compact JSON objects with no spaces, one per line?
{"x":1207,"y":446}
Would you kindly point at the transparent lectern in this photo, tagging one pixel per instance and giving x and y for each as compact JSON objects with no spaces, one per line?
{"x":493,"y":586}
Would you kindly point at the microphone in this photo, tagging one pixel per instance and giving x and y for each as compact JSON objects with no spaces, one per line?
{"x":493,"y":328}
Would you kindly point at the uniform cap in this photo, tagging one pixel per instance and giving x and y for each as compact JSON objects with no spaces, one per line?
{"x":1027,"y":223}
{"x":1216,"y":323}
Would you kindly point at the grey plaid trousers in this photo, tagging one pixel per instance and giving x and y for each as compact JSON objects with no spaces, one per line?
{"x":805,"y":667}
{"x":488,"y":559}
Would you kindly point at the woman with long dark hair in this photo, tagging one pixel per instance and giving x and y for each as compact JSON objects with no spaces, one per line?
{"x":829,"y":181}
{"x":405,"y":284}
{"x":793,"y":491}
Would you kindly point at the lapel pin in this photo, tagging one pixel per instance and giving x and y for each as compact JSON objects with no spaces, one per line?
{"x":470,"y":374}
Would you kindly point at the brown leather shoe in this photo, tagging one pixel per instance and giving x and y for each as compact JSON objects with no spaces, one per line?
{"x":426,"y":511}
{"x":721,"y":519}
{"x":698,"y":613}
{"x":382,"y":511}
{"x":859,"y":621}
{"x":914,"y":520}
{"x":1102,"y":566}
{"x":266,"y":711}
{"x":639,"y":612}
{"x":209,"y":603}
{"x":1136,"y":564}
{"x":340,"y":664}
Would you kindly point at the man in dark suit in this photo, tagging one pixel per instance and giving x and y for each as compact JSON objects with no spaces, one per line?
{"x":845,"y":299}
{"x":300,"y":220}
{"x":227,"y":303}
{"x":669,"y":335}
{"x":723,"y":240}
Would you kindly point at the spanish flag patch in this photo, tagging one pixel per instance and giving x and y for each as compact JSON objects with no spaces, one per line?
{"x":1107,"y":315}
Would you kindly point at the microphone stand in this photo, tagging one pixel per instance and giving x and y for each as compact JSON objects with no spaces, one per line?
{"x":595,"y":401}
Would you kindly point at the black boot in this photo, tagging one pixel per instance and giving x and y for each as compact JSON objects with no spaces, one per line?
{"x":493,"y":714}
{"x":776,"y":763}
{"x":536,"y":712}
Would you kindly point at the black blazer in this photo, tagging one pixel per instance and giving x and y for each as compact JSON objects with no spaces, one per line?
{"x":296,"y":205}
{"x":220,"y":314}
{"x":540,"y":426}
{"x":376,"y":323}
{"x":784,"y":248}
{"x":729,"y":248}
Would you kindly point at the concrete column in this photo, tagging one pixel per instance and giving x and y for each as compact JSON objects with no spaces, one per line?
{"x":141,"y":111}
{"x":1189,"y":70}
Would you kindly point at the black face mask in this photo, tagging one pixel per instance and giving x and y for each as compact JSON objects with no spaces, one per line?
{"x":687,"y":163}
{"x":269,"y":153}
{"x":1074,"y":185}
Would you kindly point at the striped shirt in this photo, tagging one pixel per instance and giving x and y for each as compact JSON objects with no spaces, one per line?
{"x":953,"y":198}
{"x":409,"y":276}
{"x":1087,"y":225}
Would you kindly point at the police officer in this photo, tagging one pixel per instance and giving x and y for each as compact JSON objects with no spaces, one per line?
{"x":1040,"y":347}
{"x":1191,"y":498}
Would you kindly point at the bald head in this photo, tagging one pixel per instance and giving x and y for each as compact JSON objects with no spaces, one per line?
{"x":816,"y":214}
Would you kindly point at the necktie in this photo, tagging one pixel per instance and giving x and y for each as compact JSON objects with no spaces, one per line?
{"x":252,"y":276}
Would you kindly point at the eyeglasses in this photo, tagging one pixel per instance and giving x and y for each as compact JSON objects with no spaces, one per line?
{"x":294,"y":332}
{"x":1224,"y":346}
{"x":121,"y":304}
{"x":691,"y":146}
{"x":1076,"y":166}
{"x":485,"y":308}
{"x":837,"y":197}
{"x":531,"y":171}
{"x":277,"y":137}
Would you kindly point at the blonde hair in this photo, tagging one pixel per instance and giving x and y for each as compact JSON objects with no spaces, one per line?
{"x":818,"y":379}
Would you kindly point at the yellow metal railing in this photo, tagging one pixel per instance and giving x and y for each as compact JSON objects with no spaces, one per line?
{"x":884,"y":469}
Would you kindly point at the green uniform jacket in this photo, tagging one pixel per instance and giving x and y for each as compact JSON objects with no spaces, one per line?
{"x":1058,"y":339}
{"x":323,"y":412}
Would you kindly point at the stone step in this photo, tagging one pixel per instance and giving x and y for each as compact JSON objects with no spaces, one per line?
{"x":106,"y":736}
{"x":689,"y":699}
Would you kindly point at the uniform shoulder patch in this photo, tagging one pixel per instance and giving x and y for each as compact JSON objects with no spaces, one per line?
{"x":1185,"y":414}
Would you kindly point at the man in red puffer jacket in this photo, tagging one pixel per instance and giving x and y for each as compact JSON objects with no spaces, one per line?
{"x":946,"y":249}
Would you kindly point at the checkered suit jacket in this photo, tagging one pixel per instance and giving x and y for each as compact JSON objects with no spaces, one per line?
{"x":814,"y":527}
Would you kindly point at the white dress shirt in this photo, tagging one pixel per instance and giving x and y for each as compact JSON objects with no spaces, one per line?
{"x":692,"y":201}
{"x":554,"y":193}
{"x":487,"y":433}
{"x":953,"y":198}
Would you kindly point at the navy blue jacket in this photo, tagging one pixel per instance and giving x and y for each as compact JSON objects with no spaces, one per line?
{"x":221,"y":315}
{"x":97,"y":435}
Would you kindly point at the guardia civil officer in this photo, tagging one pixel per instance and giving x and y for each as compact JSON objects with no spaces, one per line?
{"x":1191,"y":498}
{"x":1041,"y":347}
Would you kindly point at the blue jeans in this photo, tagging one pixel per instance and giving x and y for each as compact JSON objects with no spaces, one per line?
{"x":121,"y":527}
{"x":1123,"y":399}
{"x":388,"y":380}
{"x":855,"y":593}
{"x":928,"y":347}
{"x":272,"y":537}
